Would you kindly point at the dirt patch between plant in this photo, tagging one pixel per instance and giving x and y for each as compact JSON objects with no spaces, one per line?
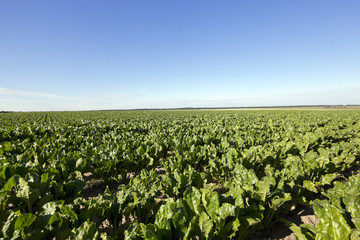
{"x":279,"y":231}
{"x":160,"y":170}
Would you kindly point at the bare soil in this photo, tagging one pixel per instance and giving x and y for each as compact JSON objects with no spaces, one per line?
{"x":279,"y":231}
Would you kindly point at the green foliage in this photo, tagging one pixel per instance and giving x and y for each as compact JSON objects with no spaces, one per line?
{"x":338,"y":216}
{"x":176,"y":174}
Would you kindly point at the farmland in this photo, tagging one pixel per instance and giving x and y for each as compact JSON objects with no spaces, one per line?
{"x":178,"y":174}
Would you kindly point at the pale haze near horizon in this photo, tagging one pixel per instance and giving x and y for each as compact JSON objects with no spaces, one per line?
{"x":87,"y":55}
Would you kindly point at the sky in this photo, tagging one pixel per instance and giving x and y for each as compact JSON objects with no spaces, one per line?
{"x":88,"y":55}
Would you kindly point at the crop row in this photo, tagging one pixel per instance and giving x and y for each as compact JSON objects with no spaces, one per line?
{"x":174,"y":174}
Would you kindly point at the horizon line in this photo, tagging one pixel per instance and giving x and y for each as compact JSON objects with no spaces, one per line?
{"x":200,"y":108}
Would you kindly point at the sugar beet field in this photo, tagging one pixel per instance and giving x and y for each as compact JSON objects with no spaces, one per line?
{"x":179,"y":174}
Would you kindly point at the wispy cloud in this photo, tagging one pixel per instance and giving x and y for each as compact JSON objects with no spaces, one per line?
{"x":19,"y":93}
{"x":114,"y":96}
{"x":13,"y":99}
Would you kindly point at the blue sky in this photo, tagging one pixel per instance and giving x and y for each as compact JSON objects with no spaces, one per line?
{"x":86,"y":54}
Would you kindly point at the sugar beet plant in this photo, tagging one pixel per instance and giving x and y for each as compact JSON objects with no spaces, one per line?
{"x":176,"y":174}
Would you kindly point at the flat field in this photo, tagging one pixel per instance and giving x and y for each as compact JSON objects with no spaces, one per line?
{"x":197,"y":174}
